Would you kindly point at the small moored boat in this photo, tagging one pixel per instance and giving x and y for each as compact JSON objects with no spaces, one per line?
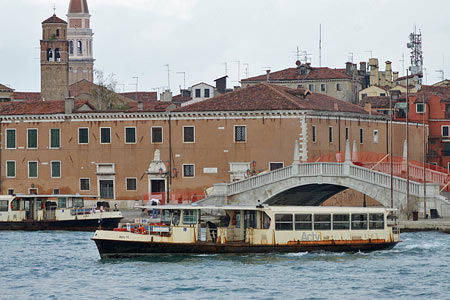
{"x":261,"y":229}
{"x":55,"y":212}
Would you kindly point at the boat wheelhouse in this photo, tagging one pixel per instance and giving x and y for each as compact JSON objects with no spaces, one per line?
{"x":55,"y":212}
{"x":261,"y":229}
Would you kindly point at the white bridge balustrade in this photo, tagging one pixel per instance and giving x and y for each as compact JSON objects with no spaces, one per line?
{"x":375,"y":184}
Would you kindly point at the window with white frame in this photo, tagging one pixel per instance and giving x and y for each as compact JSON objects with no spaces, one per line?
{"x":10,"y":168}
{"x":10,"y":191}
{"x":314,"y":134}
{"x":32,"y":138}
{"x":83,"y":135}
{"x":157,"y":135}
{"x":445,"y":130}
{"x":85,"y":184}
{"x":32,"y":169}
{"x":55,"y":169}
{"x":188,"y":170}
{"x":130,"y":135}
{"x":275,"y":165}
{"x":361,"y":135}
{"x":188,"y":134}
{"x":131,"y":184}
{"x":240,"y":134}
{"x":375,"y":136}
{"x":55,"y":138}
{"x":198,"y":93}
{"x":330,"y":134}
{"x":207,"y":94}
{"x":420,"y":108}
{"x":105,"y":135}
{"x":10,"y":139}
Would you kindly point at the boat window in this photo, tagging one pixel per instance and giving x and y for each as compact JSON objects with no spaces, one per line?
{"x":250,"y":219}
{"x":303,"y":222}
{"x":62,"y":202}
{"x":176,"y":217}
{"x":166,"y":217}
{"x":189,"y":216}
{"x":237,"y":219}
{"x":376,"y":221}
{"x":3,"y":205}
{"x":341,"y":222}
{"x":359,"y":221}
{"x":265,"y":221}
{"x":77,"y":202}
{"x":15,"y":204}
{"x":322,"y":222}
{"x":283,"y":222}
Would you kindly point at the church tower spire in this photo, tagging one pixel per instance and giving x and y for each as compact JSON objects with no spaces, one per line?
{"x":80,"y":36}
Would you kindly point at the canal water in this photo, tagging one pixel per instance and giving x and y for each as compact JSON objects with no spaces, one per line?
{"x":66,"y":265}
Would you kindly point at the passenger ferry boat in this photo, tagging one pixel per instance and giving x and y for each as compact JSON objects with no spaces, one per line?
{"x":55,"y":212}
{"x":261,"y":229}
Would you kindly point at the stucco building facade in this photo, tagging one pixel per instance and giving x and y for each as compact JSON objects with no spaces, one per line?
{"x":49,"y":148}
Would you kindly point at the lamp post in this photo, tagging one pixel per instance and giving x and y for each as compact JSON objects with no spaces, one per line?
{"x":407,"y":145}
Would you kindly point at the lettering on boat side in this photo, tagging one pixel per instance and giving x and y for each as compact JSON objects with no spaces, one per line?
{"x":124,"y":237}
{"x":310,"y":236}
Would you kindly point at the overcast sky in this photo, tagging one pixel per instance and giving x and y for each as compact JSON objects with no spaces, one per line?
{"x":136,"y":38}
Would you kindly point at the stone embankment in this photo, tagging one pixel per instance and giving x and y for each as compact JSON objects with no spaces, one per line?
{"x":440,"y":224}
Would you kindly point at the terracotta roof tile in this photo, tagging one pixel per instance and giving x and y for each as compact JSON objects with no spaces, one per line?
{"x":141,"y":96}
{"x":293,"y":74}
{"x":54,"y":19}
{"x":272,"y":97}
{"x":38,"y":107}
{"x":376,"y":101}
{"x":28,"y":96}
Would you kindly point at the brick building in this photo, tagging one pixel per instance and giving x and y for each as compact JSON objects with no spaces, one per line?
{"x":68,"y":147}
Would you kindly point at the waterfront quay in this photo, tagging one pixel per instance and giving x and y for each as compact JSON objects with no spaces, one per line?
{"x":440,"y":224}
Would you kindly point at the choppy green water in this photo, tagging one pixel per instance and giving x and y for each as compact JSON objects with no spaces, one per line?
{"x":66,"y":265}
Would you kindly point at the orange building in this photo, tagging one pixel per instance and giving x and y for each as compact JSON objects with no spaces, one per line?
{"x":123,"y":156}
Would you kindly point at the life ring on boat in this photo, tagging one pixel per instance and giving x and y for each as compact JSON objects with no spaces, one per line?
{"x":12,"y":205}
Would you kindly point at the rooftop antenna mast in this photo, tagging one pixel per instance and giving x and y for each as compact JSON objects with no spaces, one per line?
{"x":226,"y":68}
{"x":54,"y":8}
{"x":441,"y":71}
{"x":137,"y":85}
{"x":415,"y":44}
{"x":247,"y":69}
{"x":184,"y":79}
{"x":320,"y":45}
{"x":239,"y":69}
{"x":307,"y":56}
{"x":297,"y":53}
{"x":350,"y":56}
{"x":168,"y":75}
{"x":403,"y":64}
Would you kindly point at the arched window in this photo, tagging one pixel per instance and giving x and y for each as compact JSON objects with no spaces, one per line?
{"x":71,"y":47}
{"x":79,"y":48}
{"x":49,"y":54}
{"x":57,"y":55}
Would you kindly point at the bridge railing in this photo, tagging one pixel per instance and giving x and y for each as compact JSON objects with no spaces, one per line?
{"x":324,"y":169}
{"x":259,"y":180}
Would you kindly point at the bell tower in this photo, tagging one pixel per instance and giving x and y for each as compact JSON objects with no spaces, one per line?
{"x":80,"y":36}
{"x":54,"y":59}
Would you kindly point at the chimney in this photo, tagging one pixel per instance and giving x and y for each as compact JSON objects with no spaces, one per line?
{"x":267,"y":75}
{"x":362,"y":66}
{"x":394,"y":76}
{"x":166,"y":96}
{"x":388,"y":72}
{"x":368,"y":107}
{"x":140,"y":106}
{"x":336,"y":106}
{"x":69,"y":105}
{"x":221,"y":84}
{"x":348,"y":68}
{"x":373,"y":62}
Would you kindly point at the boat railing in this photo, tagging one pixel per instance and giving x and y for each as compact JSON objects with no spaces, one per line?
{"x":228,"y":234}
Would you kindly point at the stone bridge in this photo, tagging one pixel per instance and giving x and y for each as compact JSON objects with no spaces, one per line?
{"x":313,"y":183}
